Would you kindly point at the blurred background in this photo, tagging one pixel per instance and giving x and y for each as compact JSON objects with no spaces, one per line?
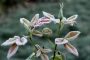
{"x":12,"y":10}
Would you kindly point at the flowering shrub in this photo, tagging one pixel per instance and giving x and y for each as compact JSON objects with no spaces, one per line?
{"x":37,"y":22}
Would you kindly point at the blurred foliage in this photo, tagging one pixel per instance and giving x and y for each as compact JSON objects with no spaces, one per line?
{"x":10,"y":26}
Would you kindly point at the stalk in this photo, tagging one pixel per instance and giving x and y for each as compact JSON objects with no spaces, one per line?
{"x":60,"y":16}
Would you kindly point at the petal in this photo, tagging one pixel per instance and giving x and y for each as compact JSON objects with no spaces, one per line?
{"x":25,"y":22}
{"x":64,"y":20}
{"x":38,"y":53}
{"x":44,"y":57}
{"x":47,"y":50}
{"x":70,"y":20}
{"x":34,"y":19}
{"x":10,"y":41}
{"x":38,"y":47}
{"x":48,"y":15}
{"x":56,"y":20}
{"x":13,"y":49}
{"x":72,"y":35}
{"x":42,"y":21}
{"x":71,"y":49}
{"x":60,"y":41}
{"x":21,"y":41}
{"x":74,"y":17}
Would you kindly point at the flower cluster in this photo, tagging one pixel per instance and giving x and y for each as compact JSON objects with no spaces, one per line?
{"x":31,"y":26}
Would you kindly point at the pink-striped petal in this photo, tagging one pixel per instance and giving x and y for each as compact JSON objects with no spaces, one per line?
{"x":42,"y":21}
{"x":35,"y":19}
{"x":71,"y":49}
{"x":60,"y":41}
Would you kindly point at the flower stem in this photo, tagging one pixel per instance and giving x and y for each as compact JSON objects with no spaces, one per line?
{"x":55,"y":51}
{"x":51,"y":42}
{"x":30,"y":37}
{"x":60,"y":16}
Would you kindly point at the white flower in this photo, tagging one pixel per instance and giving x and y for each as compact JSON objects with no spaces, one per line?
{"x":28,"y":23}
{"x":51,"y":17}
{"x":42,"y":52}
{"x":14,"y":42}
{"x":71,"y":20}
{"x":65,"y":41}
{"x":35,"y":22}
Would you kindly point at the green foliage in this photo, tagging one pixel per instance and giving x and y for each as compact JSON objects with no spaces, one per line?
{"x":10,"y":26}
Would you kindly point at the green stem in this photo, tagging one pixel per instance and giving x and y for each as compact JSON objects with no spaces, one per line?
{"x":55,"y":51}
{"x":60,"y":16}
{"x":30,"y":37}
{"x":50,"y":42}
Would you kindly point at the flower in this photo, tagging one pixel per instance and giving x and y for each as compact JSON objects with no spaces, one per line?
{"x":65,"y":41}
{"x":51,"y":17}
{"x":71,"y":20}
{"x":42,"y":52}
{"x":14,"y":42}
{"x":35,"y":22}
{"x":28,"y":23}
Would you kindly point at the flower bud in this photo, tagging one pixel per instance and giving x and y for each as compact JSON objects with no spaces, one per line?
{"x":47,"y":31}
{"x":37,"y":33}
